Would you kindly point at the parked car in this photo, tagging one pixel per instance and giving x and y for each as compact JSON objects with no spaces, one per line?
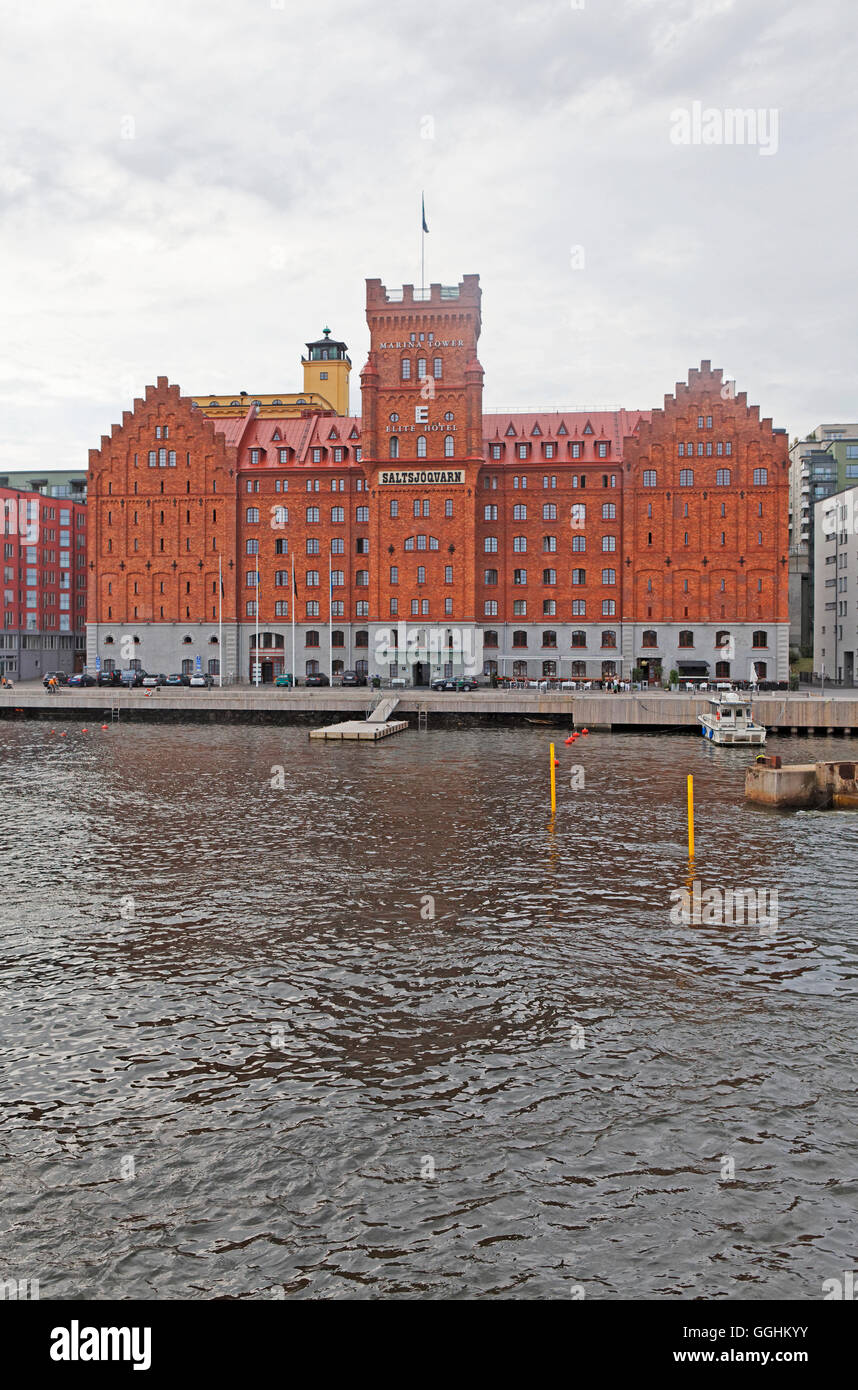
{"x":455,"y":683}
{"x":200,"y":681}
{"x":131,"y":678}
{"x":80,"y":678}
{"x":320,"y":679}
{"x":59,"y":677}
{"x":176,"y":679}
{"x":284,"y":680}
{"x":108,"y":678}
{"x":156,"y":681}
{"x":353,"y":678}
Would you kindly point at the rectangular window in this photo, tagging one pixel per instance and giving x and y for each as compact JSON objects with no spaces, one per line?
{"x":490,"y":513}
{"x":338,"y":514}
{"x":394,"y":506}
{"x":490,"y":545}
{"x":549,"y":511}
{"x":519,"y":608}
{"x":609,"y":607}
{"x":579,"y":608}
{"x":312,"y":514}
{"x":448,"y":506}
{"x":649,"y":477}
{"x":362,"y":514}
{"x":519,"y":512}
{"x":448,"y":574}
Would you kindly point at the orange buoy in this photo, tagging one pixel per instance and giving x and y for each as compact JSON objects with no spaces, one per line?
{"x":104,"y":726}
{"x":63,"y":735}
{"x":570,"y":739}
{"x":84,"y":731}
{"x":585,"y":731}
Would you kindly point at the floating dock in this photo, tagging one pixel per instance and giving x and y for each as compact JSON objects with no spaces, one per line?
{"x":803,"y":786}
{"x":361,"y":729}
{"x":376,"y":725}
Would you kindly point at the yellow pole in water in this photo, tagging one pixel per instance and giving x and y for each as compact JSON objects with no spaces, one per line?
{"x":690,"y":816}
{"x":553,"y":787}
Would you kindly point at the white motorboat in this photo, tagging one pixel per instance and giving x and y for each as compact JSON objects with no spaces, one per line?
{"x":730,"y":720}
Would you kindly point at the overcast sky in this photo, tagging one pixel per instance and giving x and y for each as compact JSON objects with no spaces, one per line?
{"x":193,"y":188}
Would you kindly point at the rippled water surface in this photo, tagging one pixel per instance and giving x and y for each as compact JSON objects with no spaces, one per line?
{"x":237,"y":1045}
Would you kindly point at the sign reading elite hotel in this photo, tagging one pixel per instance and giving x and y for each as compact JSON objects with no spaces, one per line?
{"x":428,"y":475}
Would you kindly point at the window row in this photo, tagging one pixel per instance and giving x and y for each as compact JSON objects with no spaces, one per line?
{"x":549,"y":608}
{"x":449,"y":446}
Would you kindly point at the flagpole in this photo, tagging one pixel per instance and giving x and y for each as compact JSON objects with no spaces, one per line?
{"x":422,"y":241}
{"x":220,"y":622}
{"x":330,"y":624}
{"x":256,"y":666}
{"x":294,"y":672}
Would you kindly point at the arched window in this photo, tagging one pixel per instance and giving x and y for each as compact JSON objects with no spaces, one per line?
{"x":549,"y":668}
{"x":449,"y":445}
{"x":722,"y":670}
{"x":722,"y":638}
{"x":579,"y":638}
{"x":394,"y":446}
{"x":337,"y":668}
{"x":421,"y":367}
{"x":362,"y":638}
{"x":609,"y":670}
{"x":519,"y":638}
{"x":609,"y":638}
{"x":312,"y":668}
{"x":519,"y":668}
{"x":337,"y":638}
{"x":406,"y":368}
{"x":686,"y":638}
{"x":490,"y":638}
{"x":579,"y":668}
{"x":686,"y":477}
{"x":421,"y":446}
{"x":312,"y":639}
{"x":649,"y":639}
{"x":760,"y":639}
{"x":761,"y":669}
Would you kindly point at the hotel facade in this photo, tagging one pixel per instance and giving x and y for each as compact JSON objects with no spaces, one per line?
{"x":426,"y":537}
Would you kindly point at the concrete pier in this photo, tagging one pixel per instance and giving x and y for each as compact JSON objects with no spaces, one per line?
{"x":804,"y":786}
{"x":640,"y":711}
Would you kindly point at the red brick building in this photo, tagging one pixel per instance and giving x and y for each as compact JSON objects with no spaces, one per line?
{"x":426,"y":536}
{"x":44,"y":584}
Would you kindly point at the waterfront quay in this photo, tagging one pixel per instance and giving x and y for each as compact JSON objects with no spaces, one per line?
{"x":638,"y":711}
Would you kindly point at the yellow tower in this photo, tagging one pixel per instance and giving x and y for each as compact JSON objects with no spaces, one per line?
{"x":326,"y":371}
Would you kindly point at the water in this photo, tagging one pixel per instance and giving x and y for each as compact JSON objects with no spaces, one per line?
{"x":237,"y":1045}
